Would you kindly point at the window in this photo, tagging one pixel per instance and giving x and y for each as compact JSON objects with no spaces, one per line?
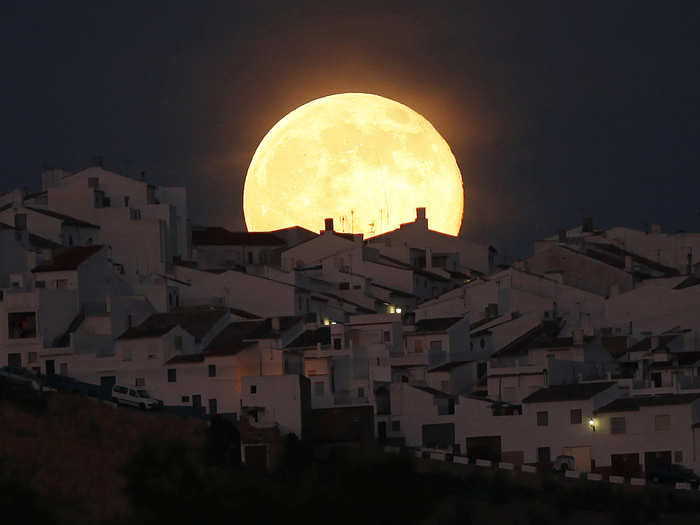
{"x":396,"y":426}
{"x":318,"y":388}
{"x":445,"y":386}
{"x":482,"y":343}
{"x":299,"y":302}
{"x":418,"y":346}
{"x":185,"y":399}
{"x":662,"y":422}
{"x":542,"y":419}
{"x":344,"y":286}
{"x":93,"y":182}
{"x":253,"y":389}
{"x":126,"y":201}
{"x":387,"y":336}
{"x":33,"y":357}
{"x":379,"y":362}
{"x":617,"y":425}
{"x":134,"y":214}
{"x":140,"y":381}
{"x":178,"y":342}
{"x":678,"y":456}
{"x":40,"y":284}
{"x":435,"y":346}
{"x":61,"y":284}
{"x":172,"y":375}
{"x":213,"y":407}
{"x":212,"y":370}
{"x":250,"y":261}
{"x":543,"y":455}
{"x":21,"y":325}
{"x":575,"y":416}
{"x":337,"y":343}
{"x":361,"y":392}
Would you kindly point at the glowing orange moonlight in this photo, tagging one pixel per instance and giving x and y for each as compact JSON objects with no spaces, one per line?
{"x":365,"y":160}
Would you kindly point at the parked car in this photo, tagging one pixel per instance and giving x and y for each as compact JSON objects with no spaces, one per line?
{"x":564,"y":463}
{"x":136,"y":397}
{"x":673,"y":473}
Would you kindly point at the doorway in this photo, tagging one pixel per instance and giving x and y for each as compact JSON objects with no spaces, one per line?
{"x":381,"y":430}
{"x":582,"y":457}
{"x":50,"y":367}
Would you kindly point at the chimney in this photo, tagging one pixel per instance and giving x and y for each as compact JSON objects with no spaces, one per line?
{"x":628,"y":263}
{"x":587,"y":226}
{"x":328,"y":225}
{"x":562,"y":236}
{"x":276,"y":322}
{"x":578,"y":337}
{"x":428,"y":259}
{"x":21,"y":221}
{"x":655,"y":228}
{"x":420,"y":216}
{"x":654,"y":341}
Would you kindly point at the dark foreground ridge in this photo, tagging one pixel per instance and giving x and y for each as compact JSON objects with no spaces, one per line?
{"x":69,"y":459}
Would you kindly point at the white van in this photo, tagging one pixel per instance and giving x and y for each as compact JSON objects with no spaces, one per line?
{"x":136,"y":397}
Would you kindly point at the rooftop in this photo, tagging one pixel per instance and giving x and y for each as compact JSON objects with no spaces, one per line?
{"x":67,"y":219}
{"x":68,"y":259}
{"x":196,"y":321}
{"x":572,"y":392}
{"x":217,"y":236}
{"x":308,"y":338}
{"x":436,"y":325}
{"x":627,"y":404}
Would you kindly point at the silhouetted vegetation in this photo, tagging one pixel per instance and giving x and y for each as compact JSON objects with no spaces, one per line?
{"x":80,"y":462}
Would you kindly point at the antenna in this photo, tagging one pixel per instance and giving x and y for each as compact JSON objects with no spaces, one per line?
{"x":352,"y":221}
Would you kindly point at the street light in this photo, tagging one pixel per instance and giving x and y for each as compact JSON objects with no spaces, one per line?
{"x":591,"y":423}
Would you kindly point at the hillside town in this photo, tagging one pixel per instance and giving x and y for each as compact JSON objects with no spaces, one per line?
{"x":588,"y":349}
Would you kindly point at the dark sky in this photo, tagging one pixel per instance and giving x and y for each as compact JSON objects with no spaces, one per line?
{"x":553,"y":110}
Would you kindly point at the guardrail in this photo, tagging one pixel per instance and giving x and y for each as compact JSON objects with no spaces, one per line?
{"x":433,"y":455}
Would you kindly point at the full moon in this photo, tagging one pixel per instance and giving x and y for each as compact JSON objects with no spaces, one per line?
{"x":366,"y":161}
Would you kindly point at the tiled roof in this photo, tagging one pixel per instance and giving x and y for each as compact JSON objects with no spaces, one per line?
{"x":67,"y":219}
{"x":692,"y":280}
{"x":243,"y":313}
{"x":196,"y":321}
{"x":68,"y":259}
{"x":309,"y":338}
{"x":562,"y":342}
{"x":231,"y":339}
{"x":627,"y":404}
{"x":434,"y":392}
{"x":537,"y":335}
{"x":436,"y":325}
{"x":572,"y":392}
{"x":448,"y":366}
{"x":186,"y":358}
{"x":217,"y":236}
{"x":266,"y":331}
{"x":616,"y":345}
{"x":645,"y":344}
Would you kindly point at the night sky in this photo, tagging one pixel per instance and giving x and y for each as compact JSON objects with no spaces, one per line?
{"x":554,"y":111}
